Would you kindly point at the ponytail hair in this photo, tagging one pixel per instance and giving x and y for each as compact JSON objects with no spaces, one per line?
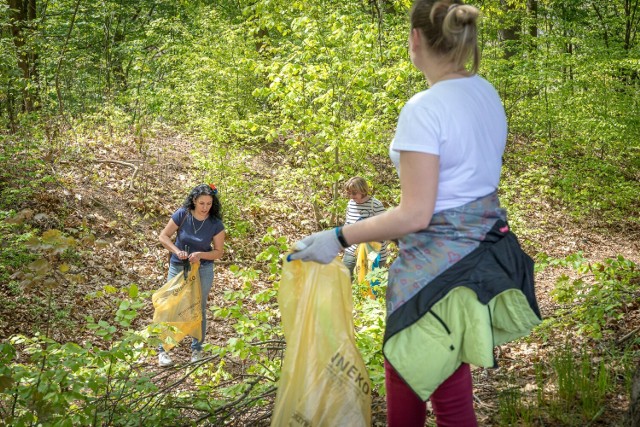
{"x":450,"y":29}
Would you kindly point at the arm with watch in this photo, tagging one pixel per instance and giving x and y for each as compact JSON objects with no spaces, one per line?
{"x":418,"y":183}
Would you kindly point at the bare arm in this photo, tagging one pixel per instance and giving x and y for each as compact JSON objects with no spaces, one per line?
{"x":419,"y":187}
{"x":165,"y":238}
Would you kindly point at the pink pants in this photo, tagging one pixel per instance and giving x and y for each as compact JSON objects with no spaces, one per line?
{"x":452,"y":401}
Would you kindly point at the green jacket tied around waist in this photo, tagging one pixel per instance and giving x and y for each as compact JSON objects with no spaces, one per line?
{"x":479,"y":296}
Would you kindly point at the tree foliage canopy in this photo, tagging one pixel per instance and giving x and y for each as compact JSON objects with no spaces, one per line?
{"x":327,"y":79}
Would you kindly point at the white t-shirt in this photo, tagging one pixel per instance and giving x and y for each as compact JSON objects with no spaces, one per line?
{"x":463,"y":122}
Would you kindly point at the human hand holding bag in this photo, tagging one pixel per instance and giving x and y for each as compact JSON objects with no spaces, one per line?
{"x":177,"y":304}
{"x":320,"y":247}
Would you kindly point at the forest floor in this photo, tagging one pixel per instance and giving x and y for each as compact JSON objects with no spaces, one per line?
{"x":125,"y":196}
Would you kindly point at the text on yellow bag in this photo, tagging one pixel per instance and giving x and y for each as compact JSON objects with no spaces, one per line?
{"x":323,"y":381}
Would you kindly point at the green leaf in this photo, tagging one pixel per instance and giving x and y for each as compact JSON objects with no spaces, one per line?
{"x":133,"y":291}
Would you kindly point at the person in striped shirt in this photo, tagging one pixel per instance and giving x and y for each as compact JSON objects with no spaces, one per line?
{"x":361,"y":205}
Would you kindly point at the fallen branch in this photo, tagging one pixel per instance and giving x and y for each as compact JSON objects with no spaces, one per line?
{"x":238,"y":403}
{"x":131,"y":165}
{"x":627,"y":336}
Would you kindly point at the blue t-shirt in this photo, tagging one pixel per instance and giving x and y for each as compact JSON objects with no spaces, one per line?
{"x":195,"y":234}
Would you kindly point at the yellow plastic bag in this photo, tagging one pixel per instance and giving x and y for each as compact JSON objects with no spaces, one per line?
{"x":367,"y":258}
{"x":178,"y":303}
{"x":324,"y":381}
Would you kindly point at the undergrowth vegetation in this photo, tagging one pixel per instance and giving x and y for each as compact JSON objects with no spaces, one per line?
{"x":280,"y":102}
{"x":103,"y":382}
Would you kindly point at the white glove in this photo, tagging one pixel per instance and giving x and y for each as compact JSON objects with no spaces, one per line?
{"x":320,"y":247}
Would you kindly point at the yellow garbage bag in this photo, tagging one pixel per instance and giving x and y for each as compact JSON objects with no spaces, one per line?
{"x":323,"y":381}
{"x":178,"y":303}
{"x":367,"y":258}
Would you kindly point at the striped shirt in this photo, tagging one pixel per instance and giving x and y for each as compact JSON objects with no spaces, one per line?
{"x":358,"y":211}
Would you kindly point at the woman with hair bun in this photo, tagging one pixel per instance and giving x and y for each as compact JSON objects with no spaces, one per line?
{"x":198,"y":223}
{"x":461,"y":284}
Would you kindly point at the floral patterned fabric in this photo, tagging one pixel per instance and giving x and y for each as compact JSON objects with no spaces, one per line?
{"x":452,"y":234}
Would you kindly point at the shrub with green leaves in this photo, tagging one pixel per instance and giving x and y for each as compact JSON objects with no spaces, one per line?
{"x":599,"y":297}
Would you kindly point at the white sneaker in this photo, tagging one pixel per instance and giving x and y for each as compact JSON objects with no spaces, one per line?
{"x":196,"y":355}
{"x":164,"y":359}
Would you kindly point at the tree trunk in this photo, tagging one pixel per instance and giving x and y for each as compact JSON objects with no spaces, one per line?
{"x":632,"y":18}
{"x":509,"y":32}
{"x":532,"y":8}
{"x":62,"y":53}
{"x":22,"y":15}
{"x":568,"y":70}
{"x":605,"y":32}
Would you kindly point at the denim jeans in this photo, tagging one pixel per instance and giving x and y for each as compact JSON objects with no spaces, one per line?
{"x":206,"y":282}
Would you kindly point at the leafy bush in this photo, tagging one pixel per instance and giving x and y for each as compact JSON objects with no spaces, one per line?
{"x":599,"y":298}
{"x":49,"y":383}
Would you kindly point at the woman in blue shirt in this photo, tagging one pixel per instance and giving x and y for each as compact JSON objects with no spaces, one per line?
{"x":198,"y":223}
